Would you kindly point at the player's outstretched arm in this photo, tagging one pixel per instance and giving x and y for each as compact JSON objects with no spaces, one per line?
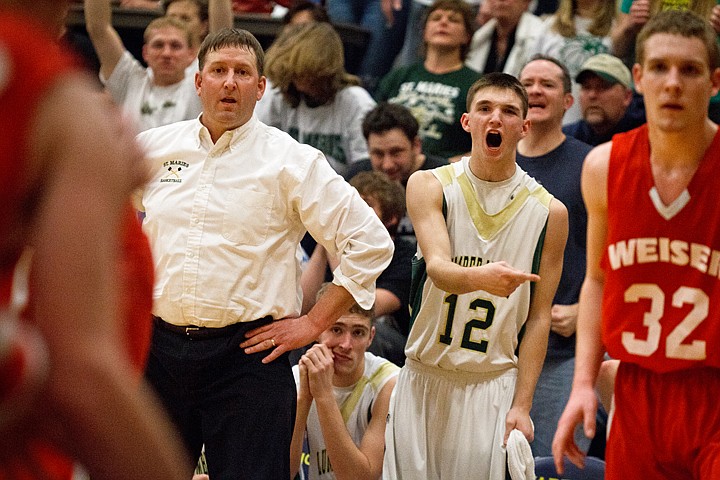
{"x":582,"y":404}
{"x":424,"y":199}
{"x":537,"y":327}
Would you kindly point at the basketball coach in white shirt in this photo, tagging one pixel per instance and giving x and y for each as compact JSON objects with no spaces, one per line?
{"x":228,"y":202}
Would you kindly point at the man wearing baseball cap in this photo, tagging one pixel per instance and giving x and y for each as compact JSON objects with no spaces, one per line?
{"x":606,"y":101}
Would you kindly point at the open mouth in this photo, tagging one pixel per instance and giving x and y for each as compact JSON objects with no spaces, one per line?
{"x":229,"y":100}
{"x":493,"y":139}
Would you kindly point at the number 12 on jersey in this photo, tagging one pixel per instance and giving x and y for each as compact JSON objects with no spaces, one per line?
{"x":477,"y":305}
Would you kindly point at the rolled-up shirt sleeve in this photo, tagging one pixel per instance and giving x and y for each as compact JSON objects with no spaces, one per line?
{"x":340,"y":220}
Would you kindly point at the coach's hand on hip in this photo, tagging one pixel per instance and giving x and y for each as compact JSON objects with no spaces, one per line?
{"x":280,"y":336}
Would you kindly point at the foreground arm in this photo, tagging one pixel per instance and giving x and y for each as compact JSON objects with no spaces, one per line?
{"x":424,"y":200}
{"x":537,"y":326}
{"x":582,"y":404}
{"x":106,"y":40}
{"x":74,"y":285}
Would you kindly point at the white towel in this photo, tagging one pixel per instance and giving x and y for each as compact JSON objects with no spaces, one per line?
{"x":520,"y":458}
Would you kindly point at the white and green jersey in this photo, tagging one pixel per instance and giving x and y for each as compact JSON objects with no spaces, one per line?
{"x":487,"y":222}
{"x":356,"y":403}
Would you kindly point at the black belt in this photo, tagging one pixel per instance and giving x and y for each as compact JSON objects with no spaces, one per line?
{"x":199,"y":333}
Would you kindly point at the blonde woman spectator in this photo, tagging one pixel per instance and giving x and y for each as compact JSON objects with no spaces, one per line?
{"x":580,"y":29}
{"x":313,"y":98}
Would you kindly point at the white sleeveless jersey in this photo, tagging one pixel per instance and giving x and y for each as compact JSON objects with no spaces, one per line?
{"x":356,"y":403}
{"x":487,"y":222}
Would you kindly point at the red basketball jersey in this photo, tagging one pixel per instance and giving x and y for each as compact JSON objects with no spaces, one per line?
{"x":30,"y":62}
{"x":661,"y":302}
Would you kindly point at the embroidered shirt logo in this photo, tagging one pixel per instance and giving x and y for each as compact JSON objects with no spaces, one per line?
{"x":174,"y":170}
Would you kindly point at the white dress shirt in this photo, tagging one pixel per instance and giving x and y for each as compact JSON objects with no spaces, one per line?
{"x":225,"y":220}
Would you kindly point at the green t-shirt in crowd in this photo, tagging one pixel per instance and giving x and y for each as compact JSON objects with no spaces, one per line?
{"x":437,"y":101}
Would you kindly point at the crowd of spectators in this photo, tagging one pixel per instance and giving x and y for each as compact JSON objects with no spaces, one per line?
{"x":400,"y":111}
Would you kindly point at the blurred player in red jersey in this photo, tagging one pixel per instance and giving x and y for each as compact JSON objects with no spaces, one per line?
{"x":67,"y":168}
{"x":653,"y":266}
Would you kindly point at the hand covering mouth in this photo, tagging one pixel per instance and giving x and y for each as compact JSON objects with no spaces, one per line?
{"x":493,"y":139}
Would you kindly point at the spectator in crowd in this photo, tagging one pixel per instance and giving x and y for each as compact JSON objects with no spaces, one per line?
{"x":634,"y":14}
{"x":481,"y":224}
{"x":605,"y":97}
{"x":394,"y":145}
{"x":228,"y":201}
{"x":387,"y":31}
{"x":504,"y":43}
{"x":195,"y":15}
{"x":555,"y":161}
{"x":412,"y":46}
{"x":201,"y":16}
{"x":64,"y":364}
{"x":161,"y":93}
{"x":435,"y":89}
{"x":654,"y":187}
{"x":305,"y":11}
{"x":579,"y":30}
{"x":152,"y":98}
{"x":313,"y":98}
{"x":395,"y":149}
{"x":342,"y":401}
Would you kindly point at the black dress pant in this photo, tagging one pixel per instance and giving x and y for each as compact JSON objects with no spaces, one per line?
{"x":242,"y":410}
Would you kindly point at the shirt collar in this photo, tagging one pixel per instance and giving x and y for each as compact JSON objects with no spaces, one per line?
{"x":229,"y":139}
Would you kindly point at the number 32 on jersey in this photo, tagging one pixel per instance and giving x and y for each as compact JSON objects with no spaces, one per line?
{"x":674,"y":346}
